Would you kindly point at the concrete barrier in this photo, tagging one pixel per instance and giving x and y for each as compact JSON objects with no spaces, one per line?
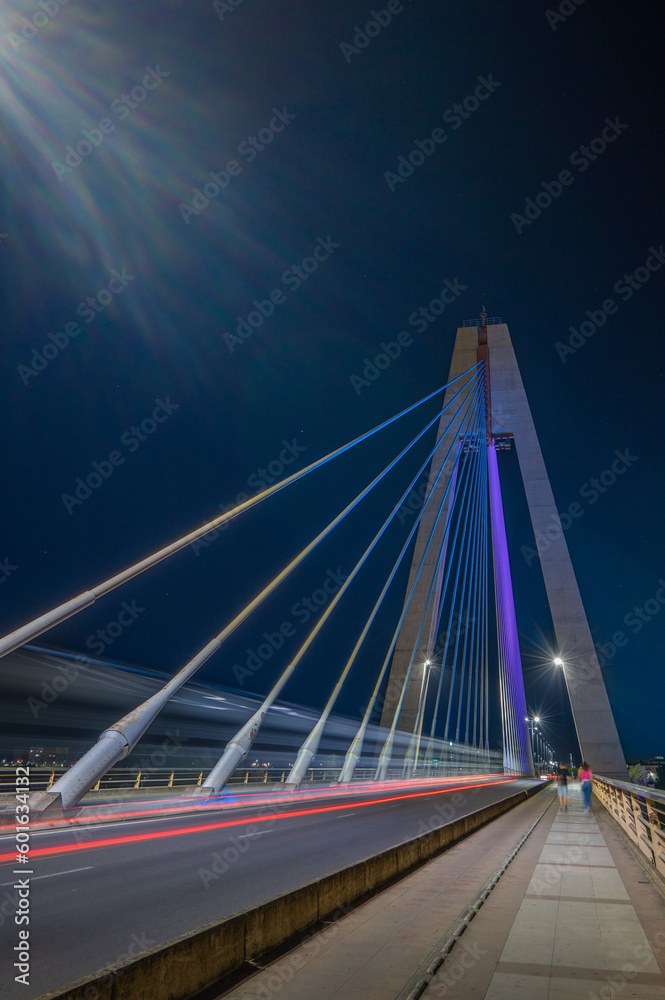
{"x":196,"y":961}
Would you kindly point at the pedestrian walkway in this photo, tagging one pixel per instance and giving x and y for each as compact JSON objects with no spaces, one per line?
{"x":574,"y":916}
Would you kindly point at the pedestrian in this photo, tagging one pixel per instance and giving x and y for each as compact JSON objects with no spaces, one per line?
{"x":585,"y":779}
{"x":562,"y":785}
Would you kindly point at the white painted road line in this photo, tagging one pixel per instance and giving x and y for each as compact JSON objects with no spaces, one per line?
{"x":33,"y":878}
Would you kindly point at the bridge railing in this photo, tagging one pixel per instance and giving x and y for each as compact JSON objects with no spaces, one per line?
{"x":168,"y":780}
{"x":640,"y":810}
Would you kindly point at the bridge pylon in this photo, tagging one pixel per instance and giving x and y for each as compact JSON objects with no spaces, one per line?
{"x":509,"y":417}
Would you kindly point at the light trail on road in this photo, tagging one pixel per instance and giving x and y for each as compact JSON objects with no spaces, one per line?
{"x":86,"y":813}
{"x":243,"y":821}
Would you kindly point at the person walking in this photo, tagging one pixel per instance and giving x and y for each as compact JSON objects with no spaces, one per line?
{"x":562,"y":786}
{"x":585,"y":780}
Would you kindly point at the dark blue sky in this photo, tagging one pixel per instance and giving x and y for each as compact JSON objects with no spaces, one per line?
{"x":171,"y":277}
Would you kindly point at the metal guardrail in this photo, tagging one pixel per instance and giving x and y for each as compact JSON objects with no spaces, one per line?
{"x":640,"y":811}
{"x":122,"y":779}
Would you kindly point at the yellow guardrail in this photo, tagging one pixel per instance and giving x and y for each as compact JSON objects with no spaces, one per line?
{"x":640,"y":811}
{"x":146,"y":779}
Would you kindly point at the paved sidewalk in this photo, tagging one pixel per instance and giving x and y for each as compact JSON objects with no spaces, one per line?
{"x":372,"y":952}
{"x":575,"y":917}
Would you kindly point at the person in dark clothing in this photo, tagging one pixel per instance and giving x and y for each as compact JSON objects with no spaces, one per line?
{"x":562,"y":786}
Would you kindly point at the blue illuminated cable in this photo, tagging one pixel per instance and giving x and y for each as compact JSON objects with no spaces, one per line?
{"x":71,"y":607}
{"x":297,"y":560}
{"x":465,"y":682}
{"x":476,"y":630}
{"x":454,"y":555}
{"x":458,"y":601}
{"x":472,"y":688}
{"x":465,"y":608}
{"x":354,"y":653}
{"x":476,"y":406}
{"x":462,"y":592}
{"x":287,"y":673}
{"x":467,"y":437}
{"x":132,"y":726}
{"x":474,"y":602}
{"x":410,"y":668}
{"x":407,"y":603}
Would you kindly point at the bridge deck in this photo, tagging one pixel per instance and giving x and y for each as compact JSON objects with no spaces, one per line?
{"x":574,"y":912}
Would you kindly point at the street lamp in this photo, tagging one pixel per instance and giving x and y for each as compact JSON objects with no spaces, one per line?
{"x":534,"y":739}
{"x":558,"y":662}
{"x":424,"y":684}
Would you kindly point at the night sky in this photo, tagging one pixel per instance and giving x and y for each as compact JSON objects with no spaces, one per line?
{"x":126,"y":295}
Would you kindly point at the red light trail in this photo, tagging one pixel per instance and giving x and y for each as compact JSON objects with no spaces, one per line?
{"x":243,"y":821}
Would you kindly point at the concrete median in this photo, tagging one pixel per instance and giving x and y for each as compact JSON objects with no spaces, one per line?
{"x":194,"y":962}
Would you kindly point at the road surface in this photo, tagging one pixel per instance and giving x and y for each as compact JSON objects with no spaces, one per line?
{"x":106,"y":893}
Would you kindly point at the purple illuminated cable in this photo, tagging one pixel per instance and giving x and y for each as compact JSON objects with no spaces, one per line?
{"x":513,"y":679}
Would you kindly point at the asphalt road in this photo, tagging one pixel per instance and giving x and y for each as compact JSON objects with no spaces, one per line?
{"x":93,"y":904}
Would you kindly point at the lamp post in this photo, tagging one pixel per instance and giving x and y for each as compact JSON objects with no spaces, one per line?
{"x":421,"y":712}
{"x":539,"y":741}
{"x":534,"y":747}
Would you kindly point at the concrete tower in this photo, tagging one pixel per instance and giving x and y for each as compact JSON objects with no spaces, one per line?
{"x":511,"y":417}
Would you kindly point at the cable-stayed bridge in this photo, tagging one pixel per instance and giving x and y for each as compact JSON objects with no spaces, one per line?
{"x":413,"y":773}
{"x":435,"y":681}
